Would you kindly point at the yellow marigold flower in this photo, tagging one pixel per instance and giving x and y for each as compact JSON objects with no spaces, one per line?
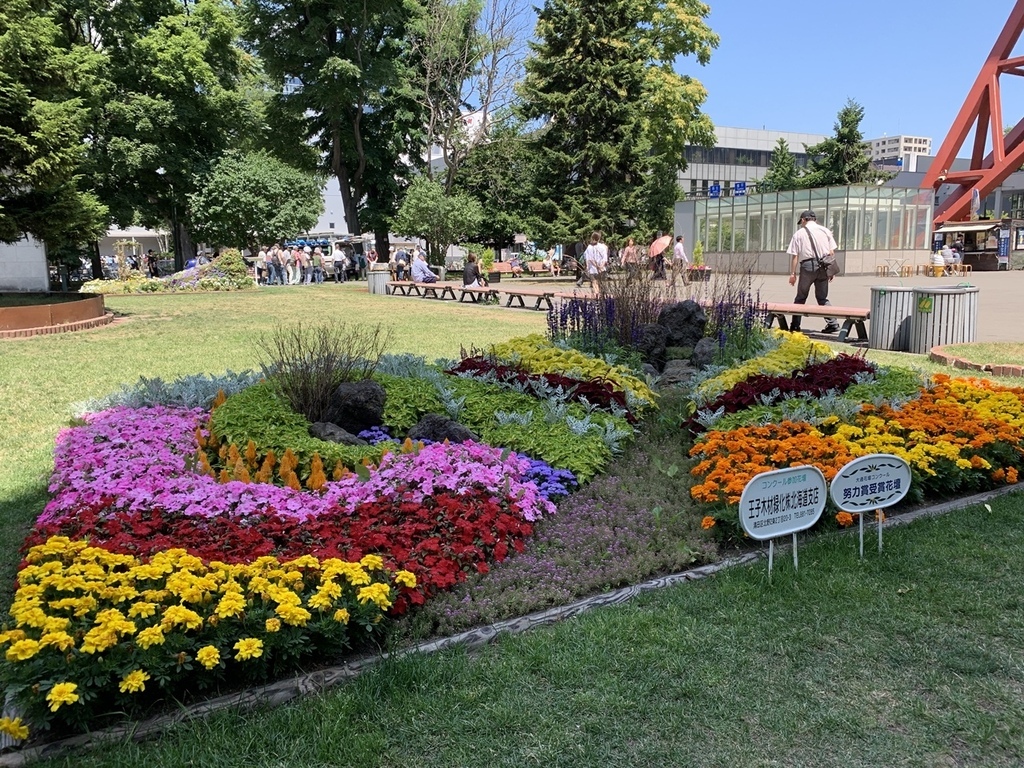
{"x":99,"y":639}
{"x":14,"y":728}
{"x":134,"y":681}
{"x":320,"y":601}
{"x":341,"y":615}
{"x":23,"y":650}
{"x":62,"y":641}
{"x":232,"y":604}
{"x":150,"y":636}
{"x":248,"y":648}
{"x":330,"y":589}
{"x":179,"y":614}
{"x":707,"y":522}
{"x":376,"y":593}
{"x":62,"y":693}
{"x":11,"y":636}
{"x":273,"y":625}
{"x":293,"y":615}
{"x":208,"y":656}
{"x":55,"y":624}
{"x":405,"y":579}
{"x":306,"y":561}
{"x":142,"y":610}
{"x":372,"y":562}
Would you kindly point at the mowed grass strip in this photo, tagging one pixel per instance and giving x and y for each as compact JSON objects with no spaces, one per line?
{"x":174,"y":335}
{"x":908,"y":658}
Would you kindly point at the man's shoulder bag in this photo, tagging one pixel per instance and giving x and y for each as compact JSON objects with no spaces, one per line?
{"x":827,"y":262}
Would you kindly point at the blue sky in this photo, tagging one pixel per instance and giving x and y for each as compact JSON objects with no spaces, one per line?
{"x":790,"y":65}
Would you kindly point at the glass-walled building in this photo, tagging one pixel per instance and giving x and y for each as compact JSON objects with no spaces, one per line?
{"x":871,"y":224}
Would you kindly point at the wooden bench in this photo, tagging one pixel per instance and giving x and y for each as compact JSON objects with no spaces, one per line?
{"x":503,"y":268}
{"x":476,"y":294}
{"x":404,"y":288}
{"x":542,"y":297}
{"x":537,"y":268}
{"x":438,"y":290}
{"x":851,"y":316}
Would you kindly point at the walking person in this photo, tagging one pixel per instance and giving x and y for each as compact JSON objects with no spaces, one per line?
{"x":680,"y":263}
{"x":152,"y":263}
{"x":813,"y":250}
{"x":595,"y":259}
{"x":275,"y":266}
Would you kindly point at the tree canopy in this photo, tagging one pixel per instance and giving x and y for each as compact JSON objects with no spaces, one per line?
{"x":782,"y":174}
{"x":254,"y":199}
{"x":45,"y":87}
{"x":615,"y":115}
{"x":840,"y":160}
{"x":438,"y":217}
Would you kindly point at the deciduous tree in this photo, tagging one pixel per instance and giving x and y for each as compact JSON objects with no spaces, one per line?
{"x":254,"y":199}
{"x":438,"y":217}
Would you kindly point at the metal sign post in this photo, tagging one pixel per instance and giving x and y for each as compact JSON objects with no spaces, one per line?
{"x":875,"y":481}
{"x":782,"y":502}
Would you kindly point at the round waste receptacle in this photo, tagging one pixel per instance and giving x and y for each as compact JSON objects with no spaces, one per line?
{"x":892,"y":310}
{"x":943,"y":316}
{"x":377,"y":278}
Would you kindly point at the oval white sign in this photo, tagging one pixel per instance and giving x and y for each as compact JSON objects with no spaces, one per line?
{"x":875,"y":481}
{"x":782,"y":502}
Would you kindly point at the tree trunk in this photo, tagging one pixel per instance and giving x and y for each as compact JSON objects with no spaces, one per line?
{"x":97,"y":261}
{"x":382,"y":244}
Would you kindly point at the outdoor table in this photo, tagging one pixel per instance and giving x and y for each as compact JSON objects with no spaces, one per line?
{"x":896,"y":266}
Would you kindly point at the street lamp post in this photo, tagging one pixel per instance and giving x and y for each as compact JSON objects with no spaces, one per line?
{"x":179,"y":263}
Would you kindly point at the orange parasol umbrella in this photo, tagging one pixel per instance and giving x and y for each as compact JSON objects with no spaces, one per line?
{"x":659,"y":245}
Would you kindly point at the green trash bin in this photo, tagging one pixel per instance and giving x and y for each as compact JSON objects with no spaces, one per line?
{"x":943,"y":316}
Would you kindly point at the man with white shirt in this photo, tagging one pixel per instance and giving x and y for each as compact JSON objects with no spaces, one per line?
{"x":811,"y":247}
{"x":680,"y":263}
{"x":420,"y":271}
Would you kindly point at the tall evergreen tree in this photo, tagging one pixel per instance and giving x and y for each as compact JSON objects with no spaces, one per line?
{"x":616,"y":114}
{"x":840,"y":160}
{"x":781,"y":175}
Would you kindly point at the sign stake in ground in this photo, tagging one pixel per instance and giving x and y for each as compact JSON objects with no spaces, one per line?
{"x":782,"y":502}
{"x":875,"y":481}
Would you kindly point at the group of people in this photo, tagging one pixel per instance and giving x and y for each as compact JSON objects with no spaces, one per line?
{"x":950,"y":254}
{"x":307,"y":265}
{"x":411,"y":263}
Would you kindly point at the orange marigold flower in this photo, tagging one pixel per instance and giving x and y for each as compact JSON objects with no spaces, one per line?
{"x":707,"y":522}
{"x":845,"y":519}
{"x":1011,"y":475}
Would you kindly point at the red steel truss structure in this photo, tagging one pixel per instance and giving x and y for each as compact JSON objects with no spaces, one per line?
{"x":983,"y":108}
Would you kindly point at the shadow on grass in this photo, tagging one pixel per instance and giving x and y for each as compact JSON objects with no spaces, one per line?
{"x":18,"y":512}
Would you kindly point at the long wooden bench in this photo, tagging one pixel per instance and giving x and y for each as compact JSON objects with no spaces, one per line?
{"x":404,"y":288}
{"x":851,"y":316}
{"x":438,"y":290}
{"x":537,"y":268}
{"x":477,"y":294}
{"x":541,"y":296}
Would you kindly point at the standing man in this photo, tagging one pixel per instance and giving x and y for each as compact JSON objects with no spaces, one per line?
{"x":812,"y":247}
{"x":595,"y":259}
{"x":152,"y":263}
{"x":680,"y":263}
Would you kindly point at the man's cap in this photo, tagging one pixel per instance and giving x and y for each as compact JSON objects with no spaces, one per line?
{"x":808,"y":215}
{"x":307,"y":249}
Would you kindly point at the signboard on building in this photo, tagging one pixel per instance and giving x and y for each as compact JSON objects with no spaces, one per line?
{"x":782,"y":502}
{"x":715,"y":190}
{"x":739,"y":189}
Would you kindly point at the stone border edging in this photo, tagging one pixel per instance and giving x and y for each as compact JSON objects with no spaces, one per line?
{"x":45,"y":330}
{"x":939,"y":355}
{"x":317,"y":682}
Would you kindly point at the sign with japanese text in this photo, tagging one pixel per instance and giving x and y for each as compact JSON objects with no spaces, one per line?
{"x":739,"y":189}
{"x":870,"y":482}
{"x":782,"y":502}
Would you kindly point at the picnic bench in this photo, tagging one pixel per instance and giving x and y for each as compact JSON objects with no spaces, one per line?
{"x":850,"y":316}
{"x":540,"y":295}
{"x":537,"y":268}
{"x":423,"y":290}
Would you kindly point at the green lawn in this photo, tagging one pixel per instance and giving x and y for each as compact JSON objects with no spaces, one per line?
{"x":911,"y":658}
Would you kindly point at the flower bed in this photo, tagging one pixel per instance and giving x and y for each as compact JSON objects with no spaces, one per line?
{"x":180,"y":587}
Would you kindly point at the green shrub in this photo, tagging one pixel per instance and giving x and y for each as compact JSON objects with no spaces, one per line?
{"x":262,"y":415}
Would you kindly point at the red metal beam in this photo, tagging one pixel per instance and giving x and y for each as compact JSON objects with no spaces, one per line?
{"x":983,"y":111}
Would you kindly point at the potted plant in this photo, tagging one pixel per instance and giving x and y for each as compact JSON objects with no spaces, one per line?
{"x":698,"y":270}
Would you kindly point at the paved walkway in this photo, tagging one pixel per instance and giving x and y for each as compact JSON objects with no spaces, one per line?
{"x":1000,"y":296}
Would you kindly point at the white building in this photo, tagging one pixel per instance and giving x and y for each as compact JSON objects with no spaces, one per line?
{"x":898,"y":153}
{"x":739,"y":154}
